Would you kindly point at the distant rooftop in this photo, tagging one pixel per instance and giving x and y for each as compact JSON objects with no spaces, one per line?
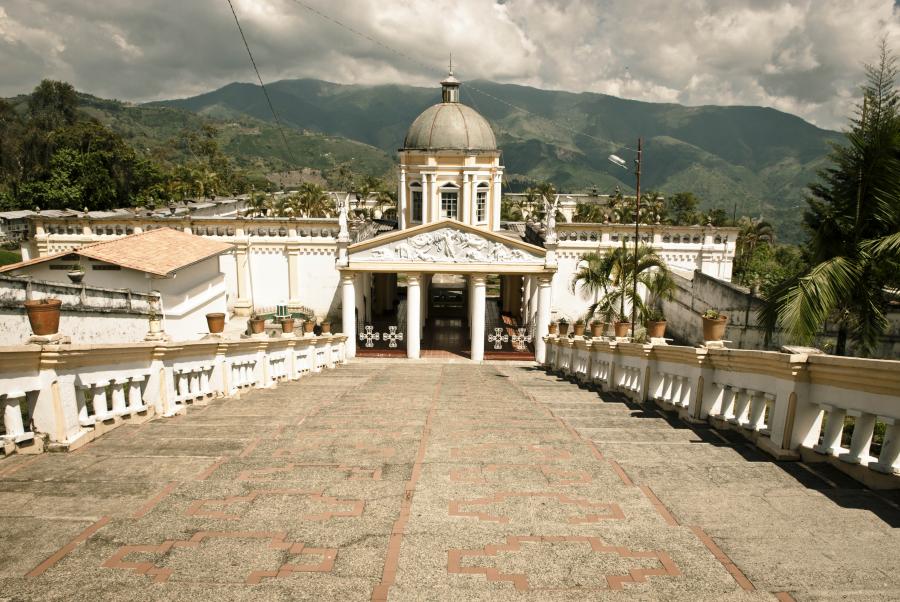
{"x":160,"y":252}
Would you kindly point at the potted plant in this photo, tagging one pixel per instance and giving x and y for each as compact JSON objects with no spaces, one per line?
{"x":563,"y":327}
{"x":257,"y":323}
{"x":287,"y":325}
{"x":43,"y":315}
{"x":215,"y":322}
{"x":597,"y":328}
{"x":579,"y":328}
{"x":622,"y":328}
{"x":309,"y":326}
{"x":714,"y":325}
{"x":553,"y":328}
{"x":76,"y":273}
{"x":326,"y":326}
{"x":656,"y":324}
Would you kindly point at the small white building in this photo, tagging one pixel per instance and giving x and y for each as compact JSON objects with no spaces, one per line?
{"x":182,"y":268}
{"x":14,"y":225}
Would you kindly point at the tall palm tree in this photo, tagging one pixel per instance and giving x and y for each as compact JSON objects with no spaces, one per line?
{"x":854,"y":220}
{"x":753,"y":233}
{"x":612,"y":274}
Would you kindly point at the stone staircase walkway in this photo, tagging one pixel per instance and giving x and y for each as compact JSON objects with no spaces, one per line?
{"x":423,"y":481}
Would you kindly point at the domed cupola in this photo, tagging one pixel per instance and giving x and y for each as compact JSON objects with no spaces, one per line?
{"x":450,"y":125}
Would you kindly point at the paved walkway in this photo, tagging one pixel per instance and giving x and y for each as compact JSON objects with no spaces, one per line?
{"x":418,"y":481}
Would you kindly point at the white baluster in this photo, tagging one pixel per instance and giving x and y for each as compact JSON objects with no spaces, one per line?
{"x":889,"y":458}
{"x":183,"y":386}
{"x":756,"y":420}
{"x":742,"y":406}
{"x":728,"y":399}
{"x":12,"y":418}
{"x":194,"y":383}
{"x":135,"y":397}
{"x":834,"y":430}
{"x":861,"y":440}
{"x":101,"y":411}
{"x":204,"y":381}
{"x":81,"y":394}
{"x":119,"y":405}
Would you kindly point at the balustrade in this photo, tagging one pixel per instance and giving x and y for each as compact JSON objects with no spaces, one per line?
{"x":74,"y":393}
{"x":790,"y":405}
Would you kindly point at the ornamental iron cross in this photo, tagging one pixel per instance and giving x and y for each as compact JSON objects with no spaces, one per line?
{"x":368,"y":336}
{"x":498,"y":338}
{"x":392,"y":336}
{"x":519,"y":340}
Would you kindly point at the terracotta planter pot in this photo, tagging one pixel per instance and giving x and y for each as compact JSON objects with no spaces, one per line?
{"x":287,"y":326}
{"x":579,"y":330}
{"x":215,"y":322}
{"x":597,"y":329}
{"x":257,"y":325}
{"x":553,"y":328}
{"x":43,"y":314}
{"x":656,"y":330}
{"x":75,"y":277}
{"x":714,"y":328}
{"x":326,"y":327}
{"x":622,"y":328}
{"x":309,"y":326}
{"x":563,"y":329}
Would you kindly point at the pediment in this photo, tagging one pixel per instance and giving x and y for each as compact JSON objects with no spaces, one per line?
{"x":446,"y":242}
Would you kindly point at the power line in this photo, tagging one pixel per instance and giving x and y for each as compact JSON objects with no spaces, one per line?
{"x":430,"y":68}
{"x":263,"y":86}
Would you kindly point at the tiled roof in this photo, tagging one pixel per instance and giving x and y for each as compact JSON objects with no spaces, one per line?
{"x":159,"y":252}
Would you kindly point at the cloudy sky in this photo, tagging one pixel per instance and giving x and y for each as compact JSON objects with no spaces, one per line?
{"x":800,"y":56}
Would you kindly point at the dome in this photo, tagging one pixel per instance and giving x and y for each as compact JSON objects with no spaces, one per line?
{"x":450,"y":125}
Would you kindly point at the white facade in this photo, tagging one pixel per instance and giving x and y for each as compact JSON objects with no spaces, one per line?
{"x":185,"y":297}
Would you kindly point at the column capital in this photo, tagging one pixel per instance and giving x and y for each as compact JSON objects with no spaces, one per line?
{"x":545,"y":279}
{"x":413,"y":278}
{"x":347,"y":276}
{"x":479,"y":279}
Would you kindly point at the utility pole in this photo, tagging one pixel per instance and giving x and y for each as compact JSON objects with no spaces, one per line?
{"x":637,"y":221}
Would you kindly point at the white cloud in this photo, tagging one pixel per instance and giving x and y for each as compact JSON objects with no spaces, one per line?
{"x":800,"y":56}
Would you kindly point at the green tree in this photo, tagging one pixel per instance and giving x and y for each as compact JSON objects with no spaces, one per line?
{"x":854,"y":220}
{"x":683,"y":209}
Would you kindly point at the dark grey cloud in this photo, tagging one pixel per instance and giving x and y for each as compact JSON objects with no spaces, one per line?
{"x":800,"y":56}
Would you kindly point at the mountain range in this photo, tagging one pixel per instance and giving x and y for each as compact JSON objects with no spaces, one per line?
{"x":752,"y":160}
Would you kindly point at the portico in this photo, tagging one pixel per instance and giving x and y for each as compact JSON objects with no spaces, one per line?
{"x":447,"y":247}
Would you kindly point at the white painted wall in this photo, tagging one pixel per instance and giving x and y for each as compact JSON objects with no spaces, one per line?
{"x":83,"y":327}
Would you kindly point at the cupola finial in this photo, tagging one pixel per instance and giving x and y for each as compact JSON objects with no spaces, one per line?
{"x":450,"y":85}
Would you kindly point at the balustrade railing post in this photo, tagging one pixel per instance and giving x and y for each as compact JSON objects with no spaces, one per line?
{"x":834,"y":430}
{"x":861,"y":441}
{"x":889,"y":458}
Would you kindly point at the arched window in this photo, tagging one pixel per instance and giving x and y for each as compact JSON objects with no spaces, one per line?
{"x":481,"y":194}
{"x":450,"y":201}
{"x":415,"y":201}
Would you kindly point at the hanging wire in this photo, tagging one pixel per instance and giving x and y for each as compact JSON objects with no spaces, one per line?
{"x":287,"y":147}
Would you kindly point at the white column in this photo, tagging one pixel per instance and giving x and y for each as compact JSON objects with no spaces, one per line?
{"x":495,"y":201}
{"x":467,"y":215}
{"x":413,"y":315}
{"x":348,"y":309}
{"x":401,"y":199}
{"x":543,"y":317}
{"x":479,"y":299}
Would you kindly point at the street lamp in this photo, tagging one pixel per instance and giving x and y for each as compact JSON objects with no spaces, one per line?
{"x":619,"y":161}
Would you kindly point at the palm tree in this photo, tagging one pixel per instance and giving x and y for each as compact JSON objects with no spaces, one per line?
{"x":589,"y":213}
{"x":854,"y":220}
{"x":258,"y":205}
{"x":312,"y":201}
{"x":612,"y":274}
{"x":753,"y":233}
